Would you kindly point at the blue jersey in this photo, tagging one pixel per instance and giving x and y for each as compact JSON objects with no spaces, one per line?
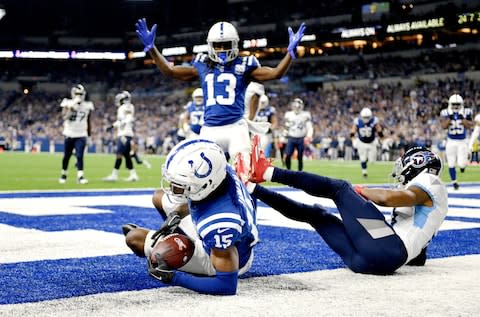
{"x":227,"y":219}
{"x":195,"y":116}
{"x":265,"y":115}
{"x":456,"y":129}
{"x":366,"y":131}
{"x":224,"y":88}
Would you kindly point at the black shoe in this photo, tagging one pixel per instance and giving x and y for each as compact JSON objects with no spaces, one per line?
{"x":128,"y":227}
{"x":456,"y":186}
{"x":420,"y":259}
{"x":462,"y":170}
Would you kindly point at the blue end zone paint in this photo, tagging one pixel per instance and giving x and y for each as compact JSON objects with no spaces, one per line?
{"x":281,"y":250}
{"x":295,"y":251}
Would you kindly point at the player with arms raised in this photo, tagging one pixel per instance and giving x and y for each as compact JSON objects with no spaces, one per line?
{"x":220,"y":218}
{"x":76,"y":128}
{"x":224,"y":76}
{"x":364,"y":132}
{"x":457,"y":120}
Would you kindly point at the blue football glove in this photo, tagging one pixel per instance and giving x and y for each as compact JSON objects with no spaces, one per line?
{"x":294,"y":39}
{"x":147,"y":37}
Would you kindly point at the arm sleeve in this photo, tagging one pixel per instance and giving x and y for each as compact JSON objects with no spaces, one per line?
{"x":224,"y":283}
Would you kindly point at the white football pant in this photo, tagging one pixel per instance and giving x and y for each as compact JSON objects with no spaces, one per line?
{"x":366,"y":151}
{"x":457,"y":153}
{"x":232,"y":138}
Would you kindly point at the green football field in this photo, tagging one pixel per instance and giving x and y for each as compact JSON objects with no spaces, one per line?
{"x":32,"y":171}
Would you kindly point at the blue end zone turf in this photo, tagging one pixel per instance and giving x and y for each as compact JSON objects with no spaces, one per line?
{"x":281,"y":250}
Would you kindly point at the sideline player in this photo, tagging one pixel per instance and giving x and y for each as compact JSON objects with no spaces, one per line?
{"x":224,"y":76}
{"x":220,"y":218}
{"x":473,"y":144}
{"x":364,"y":134}
{"x":124,"y":125}
{"x":298,"y":124}
{"x":267,"y":113}
{"x":193,"y":117}
{"x":365,"y":241}
{"x":457,"y":120}
{"x":76,"y":113}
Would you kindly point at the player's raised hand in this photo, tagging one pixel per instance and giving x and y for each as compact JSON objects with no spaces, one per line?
{"x":294,"y":39}
{"x":146,"y":36}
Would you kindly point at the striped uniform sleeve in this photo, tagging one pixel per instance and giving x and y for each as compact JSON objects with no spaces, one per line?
{"x":220,"y":230}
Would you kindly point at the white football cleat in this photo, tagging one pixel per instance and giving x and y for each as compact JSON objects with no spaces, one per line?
{"x":82,"y":180}
{"x":62,"y":179}
{"x":147,"y":164}
{"x":132,"y":178}
{"x":110,"y":178}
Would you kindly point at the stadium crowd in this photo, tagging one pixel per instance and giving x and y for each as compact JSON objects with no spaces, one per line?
{"x":408,"y":114}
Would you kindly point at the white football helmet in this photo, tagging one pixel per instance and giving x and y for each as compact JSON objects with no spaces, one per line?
{"x":366,"y":114}
{"x":297,"y":105}
{"x":122,"y":98}
{"x":194,"y":169}
{"x":197,"y":96}
{"x":222,"y":42}
{"x":263,"y":102}
{"x":78,"y":91}
{"x":455,"y":103}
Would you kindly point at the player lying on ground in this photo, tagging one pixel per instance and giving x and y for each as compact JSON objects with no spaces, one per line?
{"x":222,"y":220}
{"x":364,"y":240}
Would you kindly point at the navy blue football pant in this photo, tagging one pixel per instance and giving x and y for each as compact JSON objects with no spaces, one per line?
{"x":70,"y":144}
{"x":292,"y":144}
{"x":124,"y":147}
{"x":348,"y":237}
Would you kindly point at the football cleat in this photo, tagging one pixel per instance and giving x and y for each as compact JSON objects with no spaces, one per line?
{"x":147,"y":164}
{"x":82,"y":180}
{"x":240,"y":168}
{"x":258,"y":162}
{"x":110,"y":178}
{"x":456,"y":186}
{"x":128,"y":227}
{"x":62,"y":179}
{"x":131,"y":178}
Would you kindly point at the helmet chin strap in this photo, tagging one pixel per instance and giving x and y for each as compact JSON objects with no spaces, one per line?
{"x":223,"y":57}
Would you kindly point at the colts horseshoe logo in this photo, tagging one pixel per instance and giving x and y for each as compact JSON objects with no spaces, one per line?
{"x":207,"y":160}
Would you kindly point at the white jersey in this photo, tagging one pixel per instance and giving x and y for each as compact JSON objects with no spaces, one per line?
{"x":475,"y":133}
{"x":125,"y":120}
{"x":253,"y":88}
{"x":298,"y":125}
{"x":76,"y":117}
{"x":417,"y":225}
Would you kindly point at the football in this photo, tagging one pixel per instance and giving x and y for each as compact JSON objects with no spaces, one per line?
{"x":175,"y":249}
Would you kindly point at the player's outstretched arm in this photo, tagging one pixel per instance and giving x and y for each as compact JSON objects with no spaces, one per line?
{"x":147,"y":37}
{"x":270,"y":73}
{"x":412,"y":196}
{"x":223,"y":283}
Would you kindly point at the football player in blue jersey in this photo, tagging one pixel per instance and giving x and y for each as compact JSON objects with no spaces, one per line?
{"x":457,"y":120}
{"x":202,"y":197}
{"x":364,"y":133}
{"x":193,"y":118}
{"x":363,"y":238}
{"x":224,"y":76}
